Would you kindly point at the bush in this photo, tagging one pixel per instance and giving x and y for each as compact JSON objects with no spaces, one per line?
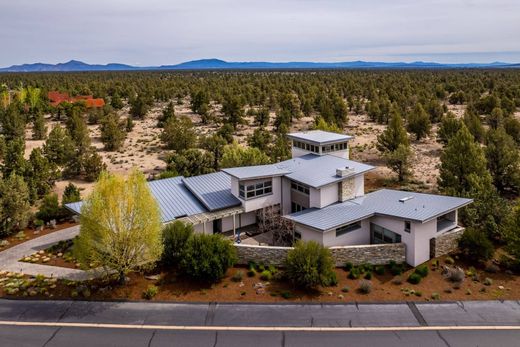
{"x":237,"y":277}
{"x":309,"y":264}
{"x":422,"y":271}
{"x":455,"y":274}
{"x":174,"y":237}
{"x":345,"y":289}
{"x":449,"y":261}
{"x":380,"y":270}
{"x":368,"y":276}
{"x":286,"y":295}
{"x":396,"y":269}
{"x":436,"y":296}
{"x":414,"y":278}
{"x":266,"y":275}
{"x":365,"y":286}
{"x":348,"y":266}
{"x":150,"y":292}
{"x":397,"y":280}
{"x":251,"y":273}
{"x":50,"y":208}
{"x":207,"y":257}
{"x":475,"y":245}
{"x":488,"y":281}
{"x":354,"y":274}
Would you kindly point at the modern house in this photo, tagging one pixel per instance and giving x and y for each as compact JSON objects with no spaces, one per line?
{"x":320,"y":190}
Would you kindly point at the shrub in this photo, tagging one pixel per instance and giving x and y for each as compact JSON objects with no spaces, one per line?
{"x":348,"y":266}
{"x":309,"y":264}
{"x":207,"y":257}
{"x":150,"y":292}
{"x":345,"y":289}
{"x":492,"y":268}
{"x":436,"y":296}
{"x":237,"y":277}
{"x":174,"y":238}
{"x":272,"y":269}
{"x":251,"y":273}
{"x":397,"y":280}
{"x":422,"y":271}
{"x":414,"y":278}
{"x":286,"y":295}
{"x":455,"y":274}
{"x":368,"y":276}
{"x":396,"y":269}
{"x":380,"y":270}
{"x":449,"y":260}
{"x":488,"y":281}
{"x":354,"y":274}
{"x":365,"y":286}
{"x":266,"y":275}
{"x":251,"y":265}
{"x":475,"y":245}
{"x":50,"y":208}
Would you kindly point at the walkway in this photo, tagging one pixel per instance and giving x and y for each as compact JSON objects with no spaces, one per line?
{"x":9,"y":259}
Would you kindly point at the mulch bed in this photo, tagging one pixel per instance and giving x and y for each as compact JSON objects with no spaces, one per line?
{"x":29,"y":234}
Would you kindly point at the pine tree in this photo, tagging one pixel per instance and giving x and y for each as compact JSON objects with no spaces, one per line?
{"x":261,"y":139}
{"x":419,"y":122}
{"x":179,"y":134}
{"x":191,"y":162}
{"x":167,"y":113}
{"x":70,"y":194}
{"x":39,"y":128}
{"x":448,"y":128}
{"x":214,"y":144}
{"x":233,"y":111}
{"x":399,"y":161}
{"x":14,"y":204}
{"x":112,"y":134}
{"x":235,"y":155}
{"x":503,"y":160}
{"x":496,"y":118}
{"x":116,"y":101}
{"x":59,"y":147}
{"x":474,"y":125}
{"x":393,"y":136}
{"x":463,"y":165}
{"x":41,"y":174}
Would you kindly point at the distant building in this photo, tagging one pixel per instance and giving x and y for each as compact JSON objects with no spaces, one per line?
{"x":56,"y":98}
{"x":320,"y":190}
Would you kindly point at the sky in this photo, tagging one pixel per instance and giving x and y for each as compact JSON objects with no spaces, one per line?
{"x":163,"y":32}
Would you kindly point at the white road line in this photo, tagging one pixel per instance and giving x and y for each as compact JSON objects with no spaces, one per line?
{"x":246,"y":328}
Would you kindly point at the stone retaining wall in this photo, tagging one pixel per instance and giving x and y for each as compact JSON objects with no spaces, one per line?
{"x":445,"y":243}
{"x":371,"y":254}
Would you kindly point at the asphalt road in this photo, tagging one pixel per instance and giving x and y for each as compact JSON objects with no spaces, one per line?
{"x":75,"y":323}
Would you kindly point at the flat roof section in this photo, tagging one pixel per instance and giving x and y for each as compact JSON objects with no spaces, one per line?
{"x":319,"y":137}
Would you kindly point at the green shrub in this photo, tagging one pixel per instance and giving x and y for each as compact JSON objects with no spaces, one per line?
{"x":348,"y":266}
{"x":266,"y":275}
{"x":354,"y":274}
{"x":309,"y":264}
{"x":368,"y":276}
{"x":286,"y":295}
{"x":237,"y":277}
{"x":365,"y":286}
{"x":251,"y":265}
{"x":380,"y":270}
{"x":475,"y":245}
{"x":50,"y":208}
{"x":396,"y":269}
{"x":422,"y":271}
{"x":449,"y":260}
{"x":488,"y":281}
{"x":363,"y":268}
{"x":251,"y":273}
{"x":174,"y":237}
{"x":436,"y":296}
{"x":414,"y":278}
{"x":207,"y":257}
{"x":345,"y":289}
{"x":260,"y":267}
{"x":150,"y":292}
{"x":272,"y":269}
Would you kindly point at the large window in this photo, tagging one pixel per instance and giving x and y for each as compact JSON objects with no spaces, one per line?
{"x":255,"y":190}
{"x":296,"y":207}
{"x":300,"y":188}
{"x":306,"y":146}
{"x":347,"y":228}
{"x":382,"y":235}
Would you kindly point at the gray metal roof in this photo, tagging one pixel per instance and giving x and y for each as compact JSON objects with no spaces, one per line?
{"x":319,"y":137}
{"x":257,"y":171}
{"x":415,"y":206}
{"x":331,"y":216}
{"x":213,"y":190}
{"x":174,"y":199}
{"x":75,"y":206}
{"x":317,"y":171}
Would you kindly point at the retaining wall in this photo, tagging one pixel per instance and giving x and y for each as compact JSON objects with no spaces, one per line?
{"x":370,"y":254}
{"x":445,"y":243}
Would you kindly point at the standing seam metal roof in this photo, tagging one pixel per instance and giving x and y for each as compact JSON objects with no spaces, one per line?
{"x":319,"y":136}
{"x":213,"y":190}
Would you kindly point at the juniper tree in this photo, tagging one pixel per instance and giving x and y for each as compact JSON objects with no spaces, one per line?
{"x":448,"y":128}
{"x":112,"y":133}
{"x":39,"y":128}
{"x":179,"y":134}
{"x":419,"y":122}
{"x":503,"y":160}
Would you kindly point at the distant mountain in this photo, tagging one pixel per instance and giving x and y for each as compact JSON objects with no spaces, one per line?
{"x":217,"y":64}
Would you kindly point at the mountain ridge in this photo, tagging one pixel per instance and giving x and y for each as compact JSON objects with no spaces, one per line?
{"x":218,"y":64}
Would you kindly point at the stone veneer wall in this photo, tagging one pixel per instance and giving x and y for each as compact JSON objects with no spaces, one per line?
{"x":347,"y":189}
{"x":371,"y":254}
{"x":445,"y":243}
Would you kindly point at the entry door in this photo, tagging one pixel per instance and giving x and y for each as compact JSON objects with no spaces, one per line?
{"x":217,"y":226}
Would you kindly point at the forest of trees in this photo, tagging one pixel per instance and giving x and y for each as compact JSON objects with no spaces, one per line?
{"x":480,"y":156}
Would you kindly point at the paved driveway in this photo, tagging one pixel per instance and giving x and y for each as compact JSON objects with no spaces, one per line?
{"x":9,"y":259}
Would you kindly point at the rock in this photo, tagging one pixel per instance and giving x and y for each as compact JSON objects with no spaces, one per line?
{"x":41,"y":252}
{"x":4,"y":243}
{"x":59,"y":254}
{"x":260,"y":291}
{"x":36,"y":232}
{"x":340,"y":296}
{"x":330,"y":293}
{"x":501,"y":287}
{"x":46,"y":259}
{"x":241,"y":284}
{"x":153,"y":277}
{"x":32,"y":292}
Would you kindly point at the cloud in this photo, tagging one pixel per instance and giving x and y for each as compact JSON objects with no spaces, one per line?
{"x":155,"y":32}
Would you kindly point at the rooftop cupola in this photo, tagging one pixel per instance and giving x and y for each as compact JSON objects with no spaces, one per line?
{"x":319,"y":142}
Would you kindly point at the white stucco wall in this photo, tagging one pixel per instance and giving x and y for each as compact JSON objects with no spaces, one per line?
{"x":298,"y":152}
{"x":357,"y":237}
{"x":286,"y":196}
{"x":309,"y":234}
{"x":327,"y":195}
{"x":263,"y":201}
{"x":359,"y":181}
{"x":342,"y":154}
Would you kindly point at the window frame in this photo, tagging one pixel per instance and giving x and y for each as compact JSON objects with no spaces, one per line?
{"x":255,"y":190}
{"x":348,"y":228}
{"x":407,"y":226}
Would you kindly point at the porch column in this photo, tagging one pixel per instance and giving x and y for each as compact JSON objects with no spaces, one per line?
{"x":203,"y":227}
{"x":234,"y":228}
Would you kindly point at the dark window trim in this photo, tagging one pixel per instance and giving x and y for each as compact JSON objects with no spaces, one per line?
{"x":345,"y":229}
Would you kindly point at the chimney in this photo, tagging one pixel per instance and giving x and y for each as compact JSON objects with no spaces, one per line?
{"x":344,"y":171}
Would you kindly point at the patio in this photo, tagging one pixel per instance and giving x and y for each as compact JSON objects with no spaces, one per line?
{"x":249,"y":235}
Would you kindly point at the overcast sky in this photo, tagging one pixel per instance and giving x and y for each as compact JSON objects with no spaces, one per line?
{"x":155,"y":32}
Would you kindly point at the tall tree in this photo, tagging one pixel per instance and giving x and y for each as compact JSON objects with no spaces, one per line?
{"x":167,"y":113}
{"x":503,"y":160}
{"x":39,"y":128}
{"x":179,"y":134}
{"x":120,"y":225}
{"x":14,"y":204}
{"x":191,"y":162}
{"x":59,"y":147}
{"x":419,"y":122}
{"x":474,"y":125}
{"x":393,"y":136}
{"x":236,"y":155}
{"x":112,"y":133}
{"x":463,"y":165}
{"x":233,"y":110}
{"x":450,"y":125}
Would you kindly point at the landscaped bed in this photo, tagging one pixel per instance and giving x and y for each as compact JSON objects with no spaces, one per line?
{"x":161,"y":284}
{"x":30,"y":233}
